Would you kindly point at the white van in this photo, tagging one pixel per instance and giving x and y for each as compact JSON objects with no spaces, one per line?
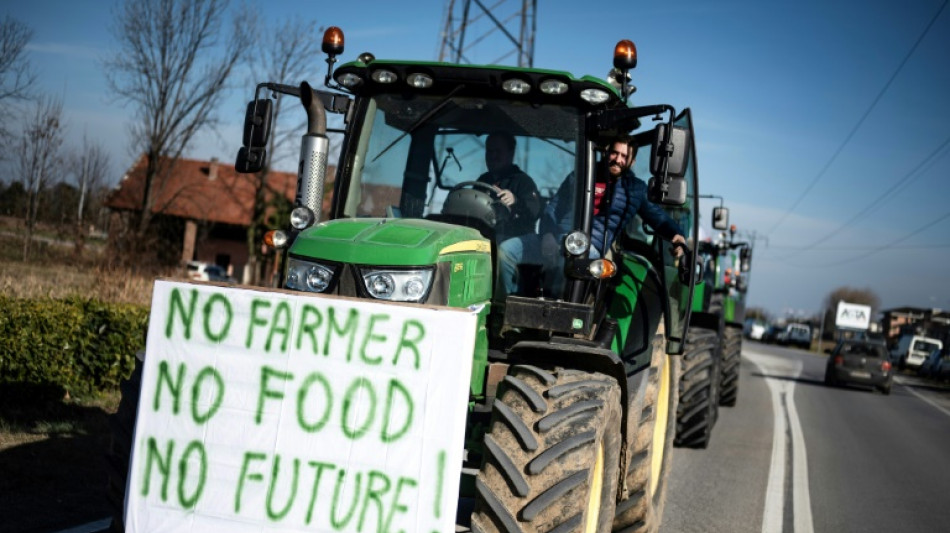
{"x":912,"y":350}
{"x":795,"y":334}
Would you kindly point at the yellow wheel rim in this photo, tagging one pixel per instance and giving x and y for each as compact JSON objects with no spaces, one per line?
{"x":596,"y":486}
{"x":659,"y":424}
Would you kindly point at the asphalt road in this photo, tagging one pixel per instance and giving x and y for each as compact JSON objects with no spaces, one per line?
{"x":796,"y":456}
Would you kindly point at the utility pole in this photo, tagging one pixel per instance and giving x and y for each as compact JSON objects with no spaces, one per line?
{"x":753,"y":236}
{"x":468,"y":23}
{"x":821,"y":329}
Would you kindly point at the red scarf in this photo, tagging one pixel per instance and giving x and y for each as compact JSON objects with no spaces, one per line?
{"x":600,"y":189}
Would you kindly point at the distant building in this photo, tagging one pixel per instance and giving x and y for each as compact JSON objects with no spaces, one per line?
{"x":204,"y":209}
{"x":931,"y":322}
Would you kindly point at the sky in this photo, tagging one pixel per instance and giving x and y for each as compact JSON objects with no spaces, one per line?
{"x":823,"y":126}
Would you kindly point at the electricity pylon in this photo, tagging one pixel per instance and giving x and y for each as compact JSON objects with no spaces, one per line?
{"x":469,"y":23}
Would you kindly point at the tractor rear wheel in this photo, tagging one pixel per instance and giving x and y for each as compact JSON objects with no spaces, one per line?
{"x":698,"y":389}
{"x":731,"y":357}
{"x":552,"y":453}
{"x":641,"y":509}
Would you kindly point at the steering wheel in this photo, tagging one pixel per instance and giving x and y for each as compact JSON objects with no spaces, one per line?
{"x":490,"y":189}
{"x":478,"y":200}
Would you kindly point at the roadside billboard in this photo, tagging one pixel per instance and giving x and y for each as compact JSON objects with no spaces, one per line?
{"x":853,"y":316}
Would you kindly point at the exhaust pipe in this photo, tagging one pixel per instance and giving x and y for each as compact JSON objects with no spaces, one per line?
{"x":314,"y":150}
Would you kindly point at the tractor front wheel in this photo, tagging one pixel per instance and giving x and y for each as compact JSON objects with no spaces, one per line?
{"x":552,"y":453}
{"x":731,"y":357}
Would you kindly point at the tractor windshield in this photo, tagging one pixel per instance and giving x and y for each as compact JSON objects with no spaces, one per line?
{"x":421,"y":156}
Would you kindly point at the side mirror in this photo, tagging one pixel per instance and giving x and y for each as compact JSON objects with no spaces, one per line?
{"x":674,"y":153}
{"x":720,"y":218}
{"x":673,"y":192}
{"x":250,"y":160}
{"x":257,"y":123}
{"x":745,"y":259}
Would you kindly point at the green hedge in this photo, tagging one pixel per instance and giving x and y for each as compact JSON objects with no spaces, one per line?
{"x":78,"y":345}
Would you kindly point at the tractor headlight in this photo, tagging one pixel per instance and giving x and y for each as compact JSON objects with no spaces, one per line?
{"x":397,"y":285}
{"x":301,"y":217}
{"x":308,"y":276}
{"x":594,"y":96}
{"x":576,"y":242}
{"x":349,"y":80}
{"x":516,"y":86}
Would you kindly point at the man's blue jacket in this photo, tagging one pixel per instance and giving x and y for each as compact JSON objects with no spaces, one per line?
{"x":629,"y":198}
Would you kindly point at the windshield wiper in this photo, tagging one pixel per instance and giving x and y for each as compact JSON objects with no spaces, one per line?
{"x":422,"y":120}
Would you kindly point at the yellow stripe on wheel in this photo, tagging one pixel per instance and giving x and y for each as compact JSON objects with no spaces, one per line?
{"x":596,"y":486}
{"x":659,"y":425}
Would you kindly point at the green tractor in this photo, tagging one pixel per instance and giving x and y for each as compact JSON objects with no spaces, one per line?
{"x":710,"y":368}
{"x":731,"y":286}
{"x":573,"y":393}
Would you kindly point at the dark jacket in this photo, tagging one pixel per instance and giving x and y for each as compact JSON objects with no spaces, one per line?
{"x":527,"y":206}
{"x":629,"y":198}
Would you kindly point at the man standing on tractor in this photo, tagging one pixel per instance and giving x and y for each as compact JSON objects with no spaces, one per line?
{"x":618,"y":196}
{"x":516,"y":190}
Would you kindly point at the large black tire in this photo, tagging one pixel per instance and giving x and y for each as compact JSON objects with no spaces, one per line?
{"x":118,"y":457}
{"x":698,"y":389}
{"x":641,"y":510}
{"x":731,"y":357}
{"x":552,"y":454}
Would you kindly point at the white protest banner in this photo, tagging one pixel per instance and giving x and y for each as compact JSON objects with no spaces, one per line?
{"x":854,"y":316}
{"x":276,"y":411}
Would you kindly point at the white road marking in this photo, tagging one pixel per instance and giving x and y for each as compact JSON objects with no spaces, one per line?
{"x":939,"y":407}
{"x":785,"y":422}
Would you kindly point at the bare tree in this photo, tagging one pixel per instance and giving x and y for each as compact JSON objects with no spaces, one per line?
{"x":39,"y":157}
{"x":172,"y":67}
{"x":758,"y":313}
{"x":91,"y":166}
{"x":851,"y":295}
{"x":16,"y":75}
{"x":286,"y":57}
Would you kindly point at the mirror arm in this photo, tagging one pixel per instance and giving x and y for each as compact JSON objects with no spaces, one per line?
{"x":612,"y":118}
{"x":712,"y":196}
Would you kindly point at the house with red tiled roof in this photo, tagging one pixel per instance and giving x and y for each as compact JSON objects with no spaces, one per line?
{"x":208,"y":202}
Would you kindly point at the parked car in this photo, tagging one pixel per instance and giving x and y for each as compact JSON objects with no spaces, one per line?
{"x":936,"y":366}
{"x":201,"y":271}
{"x":912,"y":350}
{"x":796,"y":335}
{"x":941,"y":371}
{"x":771,"y":334}
{"x":930,"y":364}
{"x":860,"y":362}
{"x":754,"y":330}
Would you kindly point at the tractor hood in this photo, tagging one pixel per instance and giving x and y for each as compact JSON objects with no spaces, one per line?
{"x":386,"y":241}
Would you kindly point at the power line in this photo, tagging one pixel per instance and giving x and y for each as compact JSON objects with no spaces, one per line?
{"x":890,"y":245}
{"x":860,"y":122}
{"x":906,"y":180}
{"x":859,"y":248}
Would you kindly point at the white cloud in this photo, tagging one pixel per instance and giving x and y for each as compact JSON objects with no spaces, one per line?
{"x":66,"y":50}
